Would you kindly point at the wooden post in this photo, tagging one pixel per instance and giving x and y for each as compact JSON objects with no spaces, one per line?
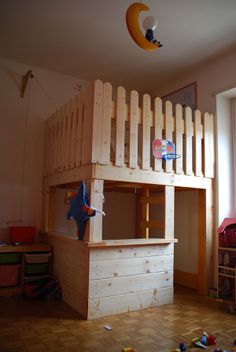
{"x":93,"y":230}
{"x":205,"y":241}
{"x":48,"y":208}
{"x":169,"y":212}
{"x":145,"y":213}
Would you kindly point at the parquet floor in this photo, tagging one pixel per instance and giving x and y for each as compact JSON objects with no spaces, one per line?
{"x":39,"y":326}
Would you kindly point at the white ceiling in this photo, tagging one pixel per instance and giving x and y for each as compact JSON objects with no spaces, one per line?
{"x":89,"y":39}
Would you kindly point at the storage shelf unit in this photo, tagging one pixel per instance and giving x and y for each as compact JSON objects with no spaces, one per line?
{"x":227,"y":274}
{"x":19,"y":264}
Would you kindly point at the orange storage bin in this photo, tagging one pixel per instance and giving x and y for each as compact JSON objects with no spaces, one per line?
{"x":9,"y":275}
{"x":22,"y":234}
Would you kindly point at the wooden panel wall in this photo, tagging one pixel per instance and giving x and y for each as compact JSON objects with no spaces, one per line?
{"x":70,"y":265}
{"x":124,"y":279}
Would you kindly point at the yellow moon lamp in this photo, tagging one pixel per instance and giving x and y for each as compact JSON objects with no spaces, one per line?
{"x":132,"y":23}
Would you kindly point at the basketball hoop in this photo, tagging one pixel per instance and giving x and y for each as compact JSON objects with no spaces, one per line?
{"x":164,"y":149}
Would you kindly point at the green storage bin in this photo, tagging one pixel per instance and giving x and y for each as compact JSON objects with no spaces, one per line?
{"x":10,"y":258}
{"x":36,"y":269}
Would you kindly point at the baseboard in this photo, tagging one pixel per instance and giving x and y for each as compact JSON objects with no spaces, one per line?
{"x":186,"y":279}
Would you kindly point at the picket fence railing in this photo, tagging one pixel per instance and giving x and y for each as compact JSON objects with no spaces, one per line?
{"x":107,"y":126}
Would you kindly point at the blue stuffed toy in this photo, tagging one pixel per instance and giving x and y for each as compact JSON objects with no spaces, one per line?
{"x":80,"y":210}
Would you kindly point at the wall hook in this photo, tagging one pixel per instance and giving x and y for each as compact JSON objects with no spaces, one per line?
{"x":24,"y":81}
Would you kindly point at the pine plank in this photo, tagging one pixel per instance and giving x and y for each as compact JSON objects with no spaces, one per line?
{"x":188,"y":142}
{"x":169,"y":132}
{"x":158,"y":128}
{"x":179,"y":138}
{"x":146,"y":135}
{"x":209,"y":151}
{"x":106,"y":123}
{"x":120,"y":126}
{"x":96,"y":118}
{"x":198,"y":143}
{"x":79,"y":130}
{"x":169,"y":211}
{"x":133,"y":138}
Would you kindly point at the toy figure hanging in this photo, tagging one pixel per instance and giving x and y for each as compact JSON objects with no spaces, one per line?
{"x":147,"y":42}
{"x":150,"y":24}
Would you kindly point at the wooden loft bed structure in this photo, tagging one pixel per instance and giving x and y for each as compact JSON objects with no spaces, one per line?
{"x":104,"y":137}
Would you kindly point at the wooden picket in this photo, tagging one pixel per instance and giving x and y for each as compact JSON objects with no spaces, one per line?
{"x":188,"y":141}
{"x":169,"y":132}
{"x":106,"y":123}
{"x":179,"y":138}
{"x":133,"y":140}
{"x":158,"y":127}
{"x":120,"y":127}
{"x":208,"y":145}
{"x":198,"y":143}
{"x":79,"y":129}
{"x":146,"y":123}
{"x":96,"y":120}
{"x":93,"y":124}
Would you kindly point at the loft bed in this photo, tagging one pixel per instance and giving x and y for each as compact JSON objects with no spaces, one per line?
{"x":104,"y":137}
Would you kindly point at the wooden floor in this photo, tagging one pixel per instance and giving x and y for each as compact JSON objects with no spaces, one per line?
{"x":40,"y":326}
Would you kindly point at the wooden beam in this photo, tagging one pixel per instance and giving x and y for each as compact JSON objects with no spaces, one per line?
{"x":145,"y":213}
{"x":201,"y":243}
{"x":169,"y":211}
{"x":93,"y":232}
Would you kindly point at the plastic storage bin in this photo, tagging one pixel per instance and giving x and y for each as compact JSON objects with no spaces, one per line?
{"x":37,"y":258}
{"x":9,"y":275}
{"x":10,"y":258}
{"x":36,"y":269}
{"x":22,"y":234}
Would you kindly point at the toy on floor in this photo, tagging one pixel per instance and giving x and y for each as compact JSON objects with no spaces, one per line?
{"x":80,"y":210}
{"x":128,"y":349}
{"x":197,"y":343}
{"x":182,"y":346}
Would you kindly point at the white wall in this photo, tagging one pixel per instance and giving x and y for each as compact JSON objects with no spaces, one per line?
{"x":212,"y":79}
{"x":22,"y":137}
{"x":225,"y":170}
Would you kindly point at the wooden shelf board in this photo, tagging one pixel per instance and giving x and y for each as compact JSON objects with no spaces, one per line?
{"x":132,"y":242}
{"x":230,"y":249}
{"x":10,"y":290}
{"x":23,"y":248}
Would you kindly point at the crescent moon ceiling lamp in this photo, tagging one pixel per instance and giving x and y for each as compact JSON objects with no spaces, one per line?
{"x":135,"y":32}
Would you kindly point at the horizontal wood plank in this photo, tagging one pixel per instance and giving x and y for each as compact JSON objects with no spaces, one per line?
{"x":101,"y":269}
{"x":135,"y":283}
{"x":129,"y":302}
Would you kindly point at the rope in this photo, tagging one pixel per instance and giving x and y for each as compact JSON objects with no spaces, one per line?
{"x":46,"y":93}
{"x":24,"y":153}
